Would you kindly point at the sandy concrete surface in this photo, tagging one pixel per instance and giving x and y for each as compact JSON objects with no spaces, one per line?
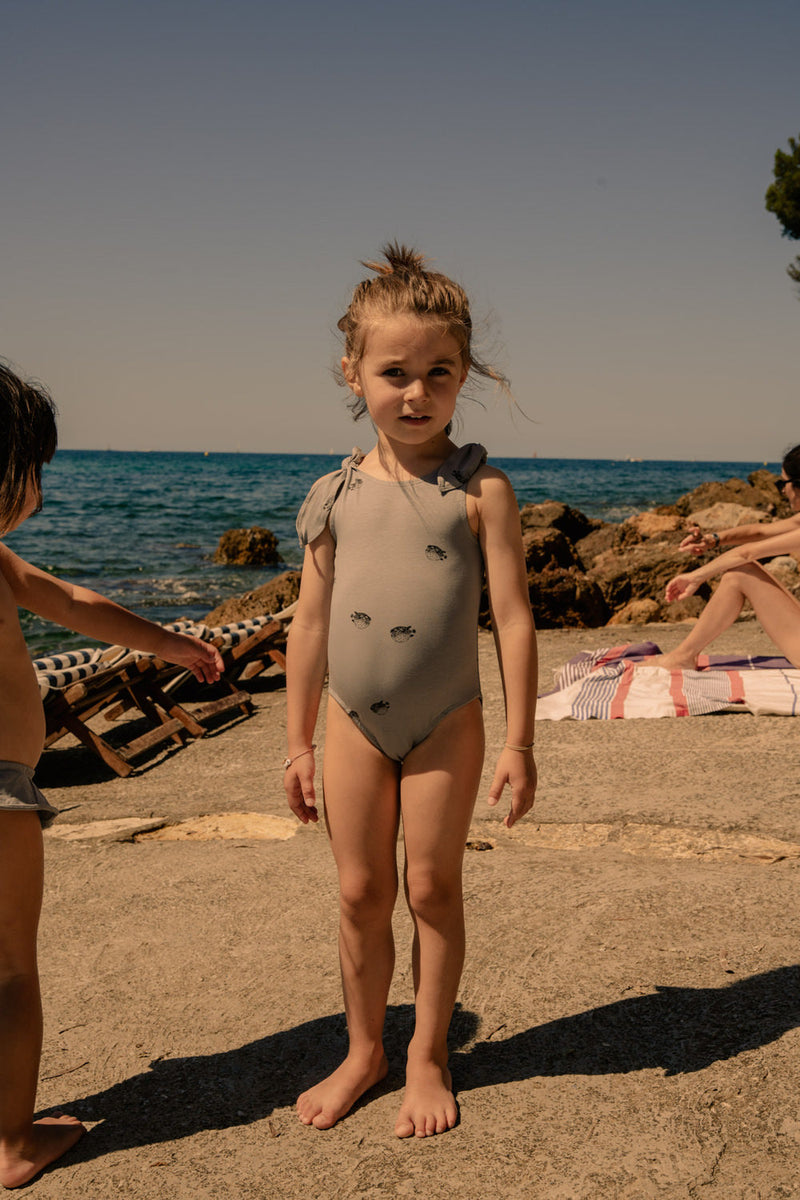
{"x":628,"y":1018}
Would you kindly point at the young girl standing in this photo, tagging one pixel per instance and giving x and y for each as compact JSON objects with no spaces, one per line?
{"x":397,"y":543}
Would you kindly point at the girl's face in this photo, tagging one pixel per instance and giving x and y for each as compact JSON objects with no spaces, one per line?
{"x":410,"y":375}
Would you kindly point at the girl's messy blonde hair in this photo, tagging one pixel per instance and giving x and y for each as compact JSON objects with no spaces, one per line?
{"x":403,"y":285}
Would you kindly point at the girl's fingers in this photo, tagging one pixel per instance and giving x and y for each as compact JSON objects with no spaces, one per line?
{"x":301,"y":796}
{"x":496,"y":790}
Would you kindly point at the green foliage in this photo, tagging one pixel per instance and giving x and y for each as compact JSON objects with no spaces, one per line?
{"x":783,"y":197}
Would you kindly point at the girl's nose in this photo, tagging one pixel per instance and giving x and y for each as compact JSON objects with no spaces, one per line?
{"x":415,"y":390}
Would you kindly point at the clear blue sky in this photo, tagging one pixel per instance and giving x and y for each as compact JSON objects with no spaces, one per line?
{"x":187,"y":190}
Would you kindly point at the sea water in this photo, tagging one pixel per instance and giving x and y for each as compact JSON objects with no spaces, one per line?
{"x":142,"y":527}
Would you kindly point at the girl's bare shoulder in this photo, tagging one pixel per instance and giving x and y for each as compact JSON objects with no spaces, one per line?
{"x":491,"y":502}
{"x":489,"y":484}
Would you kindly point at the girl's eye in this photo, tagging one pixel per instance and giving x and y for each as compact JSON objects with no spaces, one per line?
{"x":393,"y":372}
{"x":440,"y":371}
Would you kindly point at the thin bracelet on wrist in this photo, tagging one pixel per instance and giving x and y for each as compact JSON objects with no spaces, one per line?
{"x":509,"y":746}
{"x":287,"y":762}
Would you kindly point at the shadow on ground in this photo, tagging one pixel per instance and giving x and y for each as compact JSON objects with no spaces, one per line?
{"x":678,"y":1030}
{"x":78,"y":766}
{"x":179,"y":1097}
{"x":675,"y":1029}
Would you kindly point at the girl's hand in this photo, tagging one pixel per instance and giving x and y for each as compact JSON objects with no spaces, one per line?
{"x":298,"y":782}
{"x":201,"y":658}
{"x":680,"y":587}
{"x":517,"y":769}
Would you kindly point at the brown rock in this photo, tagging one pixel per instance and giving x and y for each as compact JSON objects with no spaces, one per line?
{"x":255,"y":547}
{"x":684,"y":610}
{"x":639,"y":573}
{"x":553,"y":514}
{"x":638,"y":612}
{"x":608,"y":537}
{"x":270,"y":597}
{"x":726,"y":516}
{"x":656,"y":525}
{"x":734,"y":491}
{"x":764,"y":481}
{"x":547,"y":548}
{"x":565,"y":597}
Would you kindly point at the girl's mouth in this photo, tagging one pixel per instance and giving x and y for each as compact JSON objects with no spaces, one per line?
{"x":415,"y":418}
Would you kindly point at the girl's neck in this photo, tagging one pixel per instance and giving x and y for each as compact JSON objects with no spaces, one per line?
{"x":397,"y":460}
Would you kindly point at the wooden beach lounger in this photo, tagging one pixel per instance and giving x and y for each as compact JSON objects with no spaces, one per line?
{"x":86,"y":683}
{"x":72,"y":697}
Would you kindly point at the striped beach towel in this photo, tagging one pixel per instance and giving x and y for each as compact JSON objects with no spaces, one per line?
{"x":616,"y":681}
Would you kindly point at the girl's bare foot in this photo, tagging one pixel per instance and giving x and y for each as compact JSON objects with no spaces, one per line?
{"x":50,"y":1138}
{"x":674,"y":661}
{"x":328,"y":1101}
{"x":429,"y":1105}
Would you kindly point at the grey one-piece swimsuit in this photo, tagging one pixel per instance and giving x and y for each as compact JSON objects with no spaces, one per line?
{"x":408,"y":570}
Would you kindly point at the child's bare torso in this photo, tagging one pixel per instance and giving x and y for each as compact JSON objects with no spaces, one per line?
{"x":21,"y":714}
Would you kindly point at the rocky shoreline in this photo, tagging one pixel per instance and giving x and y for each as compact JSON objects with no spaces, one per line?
{"x":586,"y":573}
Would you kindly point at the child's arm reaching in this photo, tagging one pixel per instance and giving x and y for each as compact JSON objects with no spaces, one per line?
{"x":306,"y":664}
{"x":87,"y":612}
{"x":515,"y":637}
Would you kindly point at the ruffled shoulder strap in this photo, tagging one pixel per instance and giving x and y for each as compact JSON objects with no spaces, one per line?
{"x":460,"y":466}
{"x":315,"y":509}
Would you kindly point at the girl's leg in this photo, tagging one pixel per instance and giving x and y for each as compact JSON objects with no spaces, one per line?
{"x":362,"y":816}
{"x":439,"y":784}
{"x":776,"y":609}
{"x":25,"y":1146}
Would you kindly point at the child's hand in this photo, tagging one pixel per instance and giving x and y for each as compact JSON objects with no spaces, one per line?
{"x":517,"y":769}
{"x":201,"y":658}
{"x":298,"y":782}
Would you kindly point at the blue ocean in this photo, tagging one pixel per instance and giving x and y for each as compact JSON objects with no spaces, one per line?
{"x":142,"y":527}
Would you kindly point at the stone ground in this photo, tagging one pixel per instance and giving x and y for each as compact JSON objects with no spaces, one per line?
{"x":629,"y":1019}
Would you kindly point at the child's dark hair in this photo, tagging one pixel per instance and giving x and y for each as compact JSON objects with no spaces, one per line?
{"x":791,"y":464}
{"x":403,"y":285}
{"x":28,"y":439}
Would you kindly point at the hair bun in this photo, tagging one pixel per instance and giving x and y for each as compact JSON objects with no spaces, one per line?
{"x":400,"y":260}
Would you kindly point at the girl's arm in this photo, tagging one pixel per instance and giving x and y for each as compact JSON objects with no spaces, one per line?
{"x":306,"y":664}
{"x":784,"y":543}
{"x":515,"y":635}
{"x":85,"y":611}
{"x":699,"y":543}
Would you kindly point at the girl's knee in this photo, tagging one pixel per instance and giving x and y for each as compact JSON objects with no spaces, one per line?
{"x":366,"y":898}
{"x":432,"y":895}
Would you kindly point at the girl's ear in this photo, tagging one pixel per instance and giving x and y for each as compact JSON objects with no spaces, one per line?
{"x":351,"y":377}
